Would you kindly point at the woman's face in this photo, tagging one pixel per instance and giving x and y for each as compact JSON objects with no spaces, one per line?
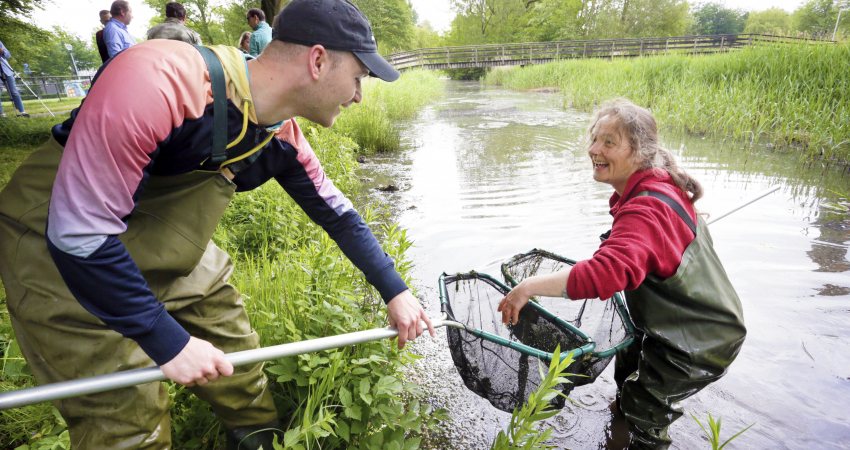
{"x":245,"y":41}
{"x":611,"y":154}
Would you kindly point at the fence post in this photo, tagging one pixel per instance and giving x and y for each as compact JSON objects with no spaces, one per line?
{"x":695,"y":45}
{"x":722,"y":41}
{"x":640,"y":52}
{"x":584,"y":54}
{"x":612,"y":50}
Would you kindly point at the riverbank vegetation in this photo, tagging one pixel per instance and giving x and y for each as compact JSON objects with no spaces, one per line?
{"x":296,"y":285}
{"x":792,"y":96}
{"x":371,"y":123}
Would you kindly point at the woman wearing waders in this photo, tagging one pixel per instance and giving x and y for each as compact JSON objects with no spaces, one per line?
{"x":105,"y":231}
{"x":689,"y":318}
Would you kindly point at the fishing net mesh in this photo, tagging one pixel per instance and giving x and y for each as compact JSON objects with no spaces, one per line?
{"x":502,"y":375}
{"x":605,"y":321}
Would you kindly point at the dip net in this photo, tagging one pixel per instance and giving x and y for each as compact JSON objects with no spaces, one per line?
{"x":605,"y":321}
{"x":504,"y":363}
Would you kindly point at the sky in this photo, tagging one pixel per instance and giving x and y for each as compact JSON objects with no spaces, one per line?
{"x":80,"y":17}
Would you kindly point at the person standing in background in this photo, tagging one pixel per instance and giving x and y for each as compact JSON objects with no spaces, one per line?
{"x":262,"y":34}
{"x":174,"y":26}
{"x":98,"y":37}
{"x":115,"y":34}
{"x":245,"y":42}
{"x":7,"y":74}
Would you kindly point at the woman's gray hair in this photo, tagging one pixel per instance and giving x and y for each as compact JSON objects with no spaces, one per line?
{"x":638,"y":125}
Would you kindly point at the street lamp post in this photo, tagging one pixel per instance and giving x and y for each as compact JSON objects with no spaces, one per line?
{"x":73,"y":61}
{"x":834,"y":30}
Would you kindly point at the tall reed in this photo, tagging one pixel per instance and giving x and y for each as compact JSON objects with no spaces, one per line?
{"x":794,"y":96}
{"x":372,"y":123}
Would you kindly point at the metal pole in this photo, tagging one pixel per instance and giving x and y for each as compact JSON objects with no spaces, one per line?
{"x":834,"y":30}
{"x":752,"y":200}
{"x":118,"y":380}
{"x":73,"y":61}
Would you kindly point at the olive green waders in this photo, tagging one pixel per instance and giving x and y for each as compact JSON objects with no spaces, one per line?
{"x":168,"y":236}
{"x":692,"y":328}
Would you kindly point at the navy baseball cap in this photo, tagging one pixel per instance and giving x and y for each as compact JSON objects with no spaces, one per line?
{"x":335,"y":25}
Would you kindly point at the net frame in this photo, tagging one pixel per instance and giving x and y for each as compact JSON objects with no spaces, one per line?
{"x":498,"y":368}
{"x":618,"y":298}
{"x":445,"y":309}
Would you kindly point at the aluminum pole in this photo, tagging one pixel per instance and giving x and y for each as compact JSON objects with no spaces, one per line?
{"x":118,"y":380}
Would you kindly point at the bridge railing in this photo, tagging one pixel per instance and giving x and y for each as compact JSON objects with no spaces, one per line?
{"x":489,"y":55}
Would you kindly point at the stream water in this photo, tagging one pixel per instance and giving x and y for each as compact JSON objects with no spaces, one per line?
{"x":488,"y":173}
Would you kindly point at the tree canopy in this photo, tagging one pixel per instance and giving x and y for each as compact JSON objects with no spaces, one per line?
{"x":394,"y":23}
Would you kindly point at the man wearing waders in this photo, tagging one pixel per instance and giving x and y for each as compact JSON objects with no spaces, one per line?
{"x":121,"y":204}
{"x":689,"y":319}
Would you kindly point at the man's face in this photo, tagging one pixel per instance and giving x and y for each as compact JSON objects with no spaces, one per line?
{"x":105,"y":18}
{"x":253,"y":21}
{"x":340,"y":87}
{"x":126,"y":17}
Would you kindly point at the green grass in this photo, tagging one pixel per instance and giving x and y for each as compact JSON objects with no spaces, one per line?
{"x":794,"y":96}
{"x":371,"y":123}
{"x":56,"y":105}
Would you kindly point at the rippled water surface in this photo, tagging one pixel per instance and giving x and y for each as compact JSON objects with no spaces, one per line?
{"x":489,"y":173}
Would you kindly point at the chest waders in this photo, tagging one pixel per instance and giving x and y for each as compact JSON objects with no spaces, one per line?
{"x":168,"y":236}
{"x":691,"y":328}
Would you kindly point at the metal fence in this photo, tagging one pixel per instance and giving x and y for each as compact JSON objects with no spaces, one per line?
{"x":491,"y":55}
{"x":50,"y":87}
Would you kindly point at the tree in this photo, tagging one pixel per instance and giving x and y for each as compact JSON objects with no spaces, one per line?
{"x":552,"y":20}
{"x":392,"y":23}
{"x":774,"y":21}
{"x":424,"y":36}
{"x":655,"y":18}
{"x":817,"y":17}
{"x":56,"y":60}
{"x":22,"y":8}
{"x":488,"y":21}
{"x":200,"y":16}
{"x":714,"y":18}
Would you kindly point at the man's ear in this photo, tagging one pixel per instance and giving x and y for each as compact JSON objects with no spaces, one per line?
{"x":319,"y":61}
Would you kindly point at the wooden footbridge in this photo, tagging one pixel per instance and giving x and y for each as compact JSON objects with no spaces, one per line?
{"x":493,"y":55}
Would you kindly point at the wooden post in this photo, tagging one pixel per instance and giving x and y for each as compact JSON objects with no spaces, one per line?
{"x":640,"y":52}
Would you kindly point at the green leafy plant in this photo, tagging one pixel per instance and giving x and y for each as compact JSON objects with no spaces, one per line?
{"x":522,"y":432}
{"x":713,"y":432}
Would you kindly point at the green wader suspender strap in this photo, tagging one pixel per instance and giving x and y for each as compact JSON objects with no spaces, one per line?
{"x":219,"y":132}
{"x":673,"y":204}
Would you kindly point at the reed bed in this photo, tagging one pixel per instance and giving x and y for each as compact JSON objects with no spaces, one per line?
{"x":793,"y":96}
{"x":371,"y":124}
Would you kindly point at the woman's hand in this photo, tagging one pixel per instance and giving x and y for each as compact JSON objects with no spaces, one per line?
{"x":512,"y":304}
{"x":548,"y":285}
